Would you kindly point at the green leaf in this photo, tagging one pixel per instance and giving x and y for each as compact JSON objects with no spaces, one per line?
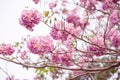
{"x":51,"y":69}
{"x":46,"y":13}
{"x":41,"y":71}
{"x":16,"y":44}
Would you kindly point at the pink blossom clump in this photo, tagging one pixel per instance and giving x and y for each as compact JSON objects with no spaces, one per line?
{"x":52,"y":4}
{"x":74,"y":31}
{"x":62,"y":30}
{"x":108,"y":4}
{"x":114,"y":18}
{"x":58,"y":32}
{"x":115,"y":40}
{"x":40,"y":45}
{"x":89,"y":4}
{"x":97,"y":47}
{"x":64,"y":59}
{"x":55,"y":58}
{"x":110,"y":32}
{"x":6,"y":49}
{"x":23,"y":55}
{"x":69,"y":44}
{"x":36,"y":1}
{"x":30,"y":18}
{"x":73,"y":18}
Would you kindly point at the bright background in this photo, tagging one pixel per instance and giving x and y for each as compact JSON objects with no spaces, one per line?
{"x":11,"y":31}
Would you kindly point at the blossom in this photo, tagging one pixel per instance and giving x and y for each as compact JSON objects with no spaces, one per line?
{"x":114,"y":17}
{"x":23,"y":55}
{"x":64,"y":59}
{"x":55,"y":58}
{"x":73,"y":18}
{"x":30,"y":18}
{"x":99,"y":48}
{"x":69,"y":43}
{"x":108,"y":4}
{"x":52,"y":4}
{"x":115,"y":40}
{"x":57,"y":34}
{"x":73,"y":30}
{"x":40,"y":45}
{"x":61,"y":30}
{"x":36,"y":1}
{"x":6,"y":49}
{"x":110,"y":32}
{"x":113,"y":35}
{"x":88,"y":3}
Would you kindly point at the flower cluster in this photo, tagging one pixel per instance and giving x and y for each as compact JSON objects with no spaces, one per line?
{"x":64,"y":59}
{"x":30,"y":18}
{"x":58,"y":32}
{"x":6,"y":49}
{"x":36,"y":1}
{"x":40,"y":45}
{"x":114,"y":18}
{"x":52,"y":4}
{"x":109,"y":4}
{"x":97,"y":47}
{"x":62,"y":30}
{"x":113,"y":35}
{"x":115,"y":39}
{"x":106,"y":4}
{"x":73,"y":18}
{"x":69,"y":44}
{"x":89,"y":4}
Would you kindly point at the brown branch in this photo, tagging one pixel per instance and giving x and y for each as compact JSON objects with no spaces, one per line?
{"x":63,"y":67}
{"x":82,"y":74}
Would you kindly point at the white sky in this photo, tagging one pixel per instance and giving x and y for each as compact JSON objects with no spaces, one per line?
{"x":11,"y":31}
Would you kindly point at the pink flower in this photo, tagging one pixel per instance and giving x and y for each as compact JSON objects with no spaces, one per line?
{"x":69,"y":43}
{"x":55,"y":58}
{"x":30,"y":18}
{"x":115,"y":40}
{"x":114,"y":18}
{"x":23,"y":55}
{"x":108,"y":4}
{"x":73,"y":30}
{"x":36,"y":1}
{"x":99,"y":17}
{"x":61,"y":29}
{"x":66,"y":59}
{"x":99,"y":48}
{"x":52,"y":4}
{"x":6,"y":49}
{"x":73,"y":18}
{"x":110,"y":32}
{"x":88,"y":3}
{"x":115,"y":1}
{"x":56,"y":33}
{"x":40,"y":45}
